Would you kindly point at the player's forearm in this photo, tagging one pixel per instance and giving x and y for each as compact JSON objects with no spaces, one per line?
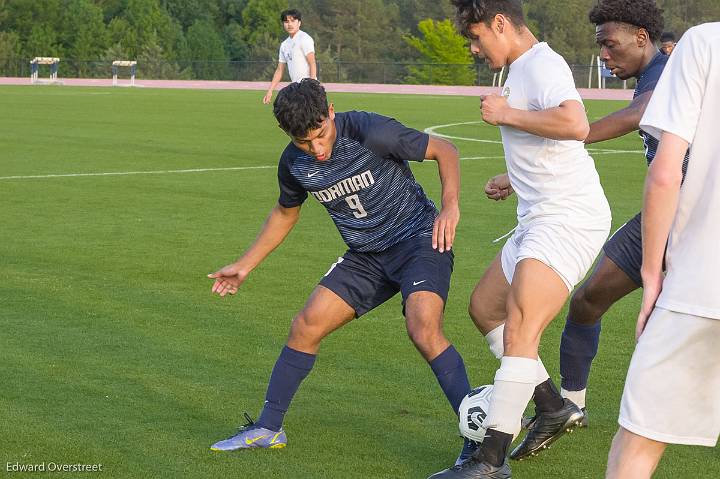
{"x":659,"y":210}
{"x":620,"y":122}
{"x":313,"y":66}
{"x":612,"y":126}
{"x":448,"y":160}
{"x":559,"y":123}
{"x":277,"y":226}
{"x":277,"y":77}
{"x":662,"y":190}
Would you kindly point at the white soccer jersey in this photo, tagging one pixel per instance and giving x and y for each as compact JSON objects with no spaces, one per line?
{"x":555,"y":181}
{"x":686,"y":103}
{"x":294,"y":51}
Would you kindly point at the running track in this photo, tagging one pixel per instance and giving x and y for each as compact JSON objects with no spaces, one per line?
{"x":587,"y":94}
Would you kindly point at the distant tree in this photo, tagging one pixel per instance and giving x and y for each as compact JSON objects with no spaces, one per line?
{"x":683,"y":14}
{"x":10,"y":54}
{"x":261,"y":21}
{"x":152,"y":63}
{"x":357,"y":34}
{"x":236,"y":47}
{"x":207,"y":52}
{"x":43,"y":42}
{"x":4,"y":13}
{"x":187,"y":12}
{"x":122,"y":35}
{"x":565,"y":26}
{"x":115,"y":52}
{"x":440,"y":43}
{"x":84,"y":34}
{"x":411,"y":12}
{"x":230,"y":11}
{"x":150,"y":24}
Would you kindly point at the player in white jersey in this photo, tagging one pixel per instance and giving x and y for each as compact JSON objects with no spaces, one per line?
{"x":672,"y":390}
{"x":297,"y":51}
{"x":563,"y":221}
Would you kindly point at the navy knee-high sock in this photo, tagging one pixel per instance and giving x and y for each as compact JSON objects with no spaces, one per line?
{"x":578,"y":348}
{"x":290,"y":369}
{"x":449,"y":370}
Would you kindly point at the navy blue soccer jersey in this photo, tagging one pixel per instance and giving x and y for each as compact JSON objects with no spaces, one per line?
{"x":647,"y":80}
{"x":366,"y":185}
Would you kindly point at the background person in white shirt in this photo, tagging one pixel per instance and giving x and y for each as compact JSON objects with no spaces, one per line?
{"x":563,"y":221}
{"x":297,"y":52}
{"x":672,"y":390}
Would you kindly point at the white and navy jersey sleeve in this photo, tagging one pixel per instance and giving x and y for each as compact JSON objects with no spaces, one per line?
{"x":292,"y":193}
{"x":392,"y":140}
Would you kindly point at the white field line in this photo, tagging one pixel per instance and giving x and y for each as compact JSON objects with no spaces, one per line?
{"x":432,"y":130}
{"x":128,"y":173}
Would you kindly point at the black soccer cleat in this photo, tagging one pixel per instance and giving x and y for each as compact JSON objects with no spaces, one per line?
{"x":475,"y":468}
{"x":469,"y":447}
{"x":489,"y":461}
{"x":547,"y":428}
{"x":528,"y":421}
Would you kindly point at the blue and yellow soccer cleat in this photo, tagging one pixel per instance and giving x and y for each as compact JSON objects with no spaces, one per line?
{"x":252,"y":436}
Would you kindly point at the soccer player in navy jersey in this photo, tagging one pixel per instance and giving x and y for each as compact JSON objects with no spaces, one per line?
{"x":356,"y":165}
{"x":626,"y":33}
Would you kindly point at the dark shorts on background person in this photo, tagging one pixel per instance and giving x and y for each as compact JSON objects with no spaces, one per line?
{"x":366,"y":280}
{"x":624,"y":248}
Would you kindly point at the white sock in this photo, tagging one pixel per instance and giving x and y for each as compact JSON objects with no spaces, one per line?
{"x":542,"y":373}
{"x":514,"y":386}
{"x":495,"y":341}
{"x":578,"y":397}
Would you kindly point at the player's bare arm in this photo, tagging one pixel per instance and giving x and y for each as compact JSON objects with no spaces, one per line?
{"x":277,"y":77}
{"x":448,"y":160}
{"x":567,"y":121}
{"x":313,"y":65}
{"x":662,"y":189}
{"x":498,"y":187}
{"x":277,"y":226}
{"x":621,"y":122}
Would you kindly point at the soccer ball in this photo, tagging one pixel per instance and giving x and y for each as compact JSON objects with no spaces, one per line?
{"x":472,"y":412}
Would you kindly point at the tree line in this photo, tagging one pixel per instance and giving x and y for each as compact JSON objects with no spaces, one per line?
{"x":198,"y":38}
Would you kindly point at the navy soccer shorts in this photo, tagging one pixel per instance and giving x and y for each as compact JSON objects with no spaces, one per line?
{"x":624,"y":248}
{"x":366,"y":280}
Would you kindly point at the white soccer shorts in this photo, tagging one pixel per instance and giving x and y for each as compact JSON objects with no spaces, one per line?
{"x":569,"y":250}
{"x":672,"y":390}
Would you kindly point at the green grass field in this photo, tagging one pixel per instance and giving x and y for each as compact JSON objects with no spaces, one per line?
{"x":113,"y":351}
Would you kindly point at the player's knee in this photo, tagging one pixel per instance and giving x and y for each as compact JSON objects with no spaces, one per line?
{"x":304,"y":329}
{"x":484,"y":317}
{"x":586,"y":307}
{"x":425,"y":335}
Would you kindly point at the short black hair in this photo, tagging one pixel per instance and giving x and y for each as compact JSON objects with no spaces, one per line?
{"x":667,"y":37}
{"x":301,"y":107}
{"x":638,"y":13}
{"x":470,"y":12}
{"x":290,"y":13}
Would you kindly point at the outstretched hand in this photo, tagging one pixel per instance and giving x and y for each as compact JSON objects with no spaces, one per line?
{"x":228,"y":279}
